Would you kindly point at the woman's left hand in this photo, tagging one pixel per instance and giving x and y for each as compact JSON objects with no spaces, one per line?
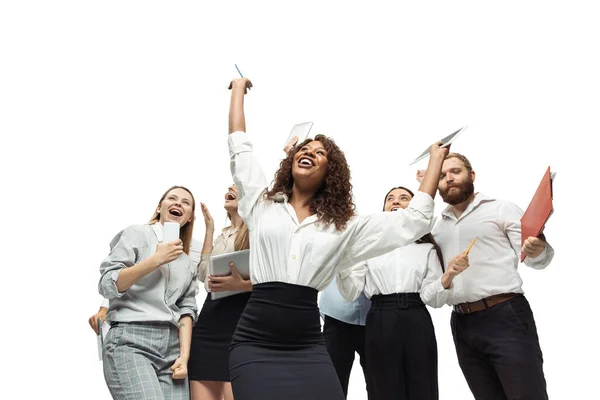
{"x":232,"y":282}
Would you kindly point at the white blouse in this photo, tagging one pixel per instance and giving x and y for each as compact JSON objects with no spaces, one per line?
{"x":309,"y":254}
{"x":414,"y":268}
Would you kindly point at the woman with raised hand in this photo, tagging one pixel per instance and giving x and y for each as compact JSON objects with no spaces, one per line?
{"x":211,"y":338}
{"x":302,"y":231}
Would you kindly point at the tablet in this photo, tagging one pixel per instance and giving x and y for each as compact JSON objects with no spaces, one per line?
{"x":100,"y":339}
{"x":219,"y":266}
{"x":301,"y":131}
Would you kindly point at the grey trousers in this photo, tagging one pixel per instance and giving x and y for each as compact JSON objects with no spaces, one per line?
{"x":137,"y":360}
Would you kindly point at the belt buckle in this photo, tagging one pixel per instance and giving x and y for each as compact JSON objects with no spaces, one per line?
{"x":405,"y":298}
{"x":464,"y":308}
{"x":459,"y":309}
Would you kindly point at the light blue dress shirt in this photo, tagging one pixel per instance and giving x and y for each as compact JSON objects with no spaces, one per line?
{"x":332,"y":303}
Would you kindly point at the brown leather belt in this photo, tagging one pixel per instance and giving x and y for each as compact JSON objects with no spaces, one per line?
{"x":484,"y":304}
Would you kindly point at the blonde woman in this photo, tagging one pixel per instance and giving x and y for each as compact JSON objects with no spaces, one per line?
{"x":209,"y":361}
{"x":151,"y":287}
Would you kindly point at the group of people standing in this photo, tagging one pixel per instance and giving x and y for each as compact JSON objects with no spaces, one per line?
{"x":377,"y":273}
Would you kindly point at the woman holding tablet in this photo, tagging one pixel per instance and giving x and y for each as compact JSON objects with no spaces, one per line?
{"x":209,"y":361}
{"x":302,"y":232}
{"x":151,"y":287}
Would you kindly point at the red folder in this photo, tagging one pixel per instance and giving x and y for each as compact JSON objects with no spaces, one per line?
{"x":539,"y":210}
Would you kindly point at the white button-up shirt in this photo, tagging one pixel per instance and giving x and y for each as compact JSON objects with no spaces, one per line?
{"x":414,"y":268}
{"x":494,"y":258}
{"x":284,"y":250}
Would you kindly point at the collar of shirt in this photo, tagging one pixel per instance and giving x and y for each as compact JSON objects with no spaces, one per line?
{"x":229,"y":231}
{"x":479,"y":198}
{"x":281,"y":197}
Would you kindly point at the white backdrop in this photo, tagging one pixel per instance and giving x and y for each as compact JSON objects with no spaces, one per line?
{"x":103,"y":105}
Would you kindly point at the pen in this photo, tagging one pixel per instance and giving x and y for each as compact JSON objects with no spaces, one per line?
{"x":471,"y":245}
{"x":236,"y":67}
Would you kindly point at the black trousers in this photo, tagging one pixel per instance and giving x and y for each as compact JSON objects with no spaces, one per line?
{"x":499,"y":352}
{"x":343,"y":340}
{"x":401,"y":349}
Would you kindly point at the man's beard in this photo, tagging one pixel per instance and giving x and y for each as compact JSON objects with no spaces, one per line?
{"x":458,"y":196}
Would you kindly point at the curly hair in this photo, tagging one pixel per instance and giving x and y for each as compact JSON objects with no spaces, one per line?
{"x":332,"y":203}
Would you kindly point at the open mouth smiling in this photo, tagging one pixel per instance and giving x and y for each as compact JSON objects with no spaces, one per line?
{"x":306,"y":162}
{"x":176,"y":212}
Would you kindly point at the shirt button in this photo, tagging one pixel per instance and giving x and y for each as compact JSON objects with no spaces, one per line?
{"x":293,"y":257}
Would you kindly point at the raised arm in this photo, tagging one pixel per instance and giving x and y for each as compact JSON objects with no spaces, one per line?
{"x":373,"y":235}
{"x":207,"y":248}
{"x":429,"y":183}
{"x":245,"y":169}
{"x":377,"y":234}
{"x":237,"y":120}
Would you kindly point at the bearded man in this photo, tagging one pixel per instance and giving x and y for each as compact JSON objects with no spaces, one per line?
{"x":492,"y":324}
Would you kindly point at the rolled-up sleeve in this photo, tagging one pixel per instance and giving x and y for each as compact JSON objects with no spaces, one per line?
{"x":511,"y":214}
{"x":123,"y":254}
{"x":541,"y":261}
{"x":187,"y":302}
{"x":433,"y":292}
{"x":247,"y":175}
{"x":196,"y":252}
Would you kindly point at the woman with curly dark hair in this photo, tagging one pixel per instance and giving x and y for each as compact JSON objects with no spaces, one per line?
{"x":302,"y":232}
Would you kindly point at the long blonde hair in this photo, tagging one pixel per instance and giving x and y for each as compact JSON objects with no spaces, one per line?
{"x":242,"y":239}
{"x":187,"y":230}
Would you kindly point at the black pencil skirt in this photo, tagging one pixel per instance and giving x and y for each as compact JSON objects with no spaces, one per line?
{"x":277,"y":351}
{"x":211,"y":337}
